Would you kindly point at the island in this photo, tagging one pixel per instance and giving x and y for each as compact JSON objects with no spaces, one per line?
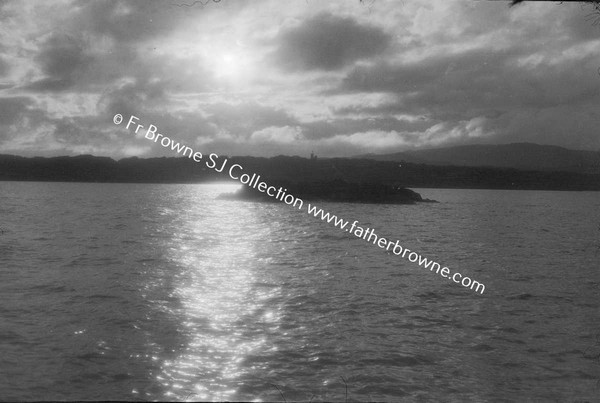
{"x":334,"y":191}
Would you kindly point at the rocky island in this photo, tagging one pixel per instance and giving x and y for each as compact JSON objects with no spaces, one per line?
{"x":334,"y":191}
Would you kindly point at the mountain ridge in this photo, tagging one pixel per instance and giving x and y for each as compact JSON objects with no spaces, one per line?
{"x":522,"y":156}
{"x":86,"y":168}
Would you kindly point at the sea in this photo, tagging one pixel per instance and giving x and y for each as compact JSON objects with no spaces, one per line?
{"x":148,"y":292}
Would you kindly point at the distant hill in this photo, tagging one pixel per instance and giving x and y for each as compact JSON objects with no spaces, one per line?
{"x":524,"y":156}
{"x":87,"y":168}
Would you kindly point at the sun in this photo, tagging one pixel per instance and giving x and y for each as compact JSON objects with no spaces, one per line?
{"x":227,"y":65}
{"x":232,"y":65}
{"x":231,"y":62}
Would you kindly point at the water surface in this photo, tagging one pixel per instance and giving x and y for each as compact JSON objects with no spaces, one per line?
{"x":150,"y":292}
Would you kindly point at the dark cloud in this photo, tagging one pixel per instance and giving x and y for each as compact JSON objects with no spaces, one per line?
{"x":523,"y":93}
{"x":103,"y":42}
{"x":62,"y":55}
{"x":479,"y":81}
{"x":328,"y":42}
{"x":127,"y":21}
{"x":68,"y":65}
{"x":4,"y":67}
{"x":12,"y":109}
{"x":63,"y":61}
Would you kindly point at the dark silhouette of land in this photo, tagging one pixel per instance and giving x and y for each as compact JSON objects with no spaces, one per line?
{"x":524,"y":156}
{"x":334,"y":191}
{"x":87,"y":168}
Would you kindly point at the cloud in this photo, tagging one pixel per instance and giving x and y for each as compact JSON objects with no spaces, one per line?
{"x":272,"y":134}
{"x":63,"y":61}
{"x":491,"y":86}
{"x":135,"y":97}
{"x":128,"y":21}
{"x":329,"y":42}
{"x":346,"y":126}
{"x":336,"y":77}
{"x":4,"y":67}
{"x":21,"y":122}
{"x":247,"y":117}
{"x":12,"y":109}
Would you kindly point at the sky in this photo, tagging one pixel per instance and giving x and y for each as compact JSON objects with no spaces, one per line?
{"x":272,"y":77}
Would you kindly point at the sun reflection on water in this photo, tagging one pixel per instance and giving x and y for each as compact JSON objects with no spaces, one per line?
{"x":223,"y":313}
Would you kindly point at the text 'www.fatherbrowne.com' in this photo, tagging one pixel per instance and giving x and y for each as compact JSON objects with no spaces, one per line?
{"x":236,"y":172}
{"x":369,"y":235}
